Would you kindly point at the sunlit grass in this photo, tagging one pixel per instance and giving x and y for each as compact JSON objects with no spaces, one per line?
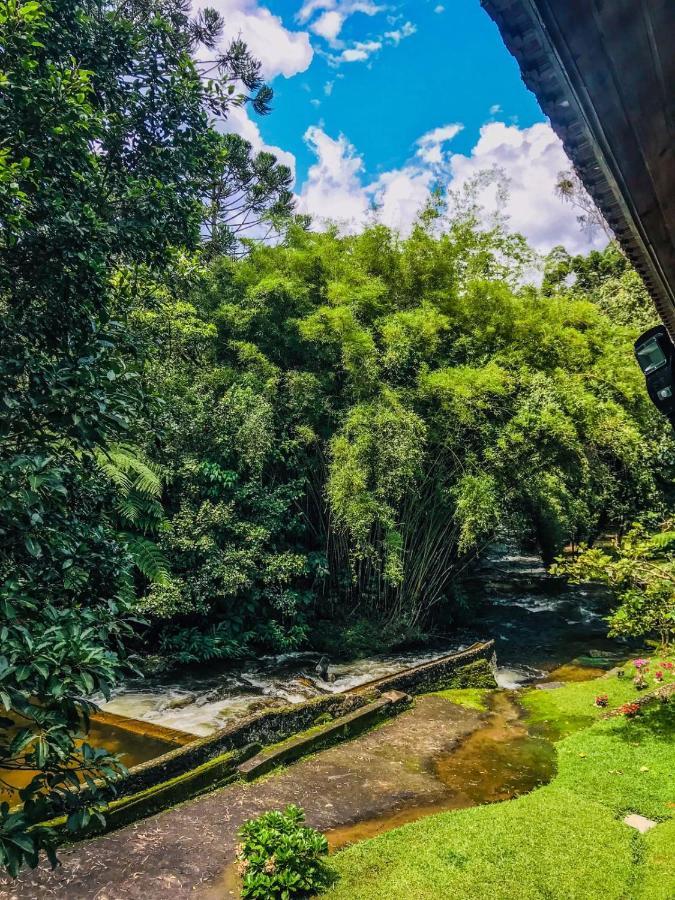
{"x":471,"y":698}
{"x":565,"y":841}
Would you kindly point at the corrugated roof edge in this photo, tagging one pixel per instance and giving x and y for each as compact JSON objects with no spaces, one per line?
{"x":560,"y":94}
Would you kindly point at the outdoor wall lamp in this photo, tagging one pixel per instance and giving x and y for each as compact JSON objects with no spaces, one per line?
{"x":655,"y":354}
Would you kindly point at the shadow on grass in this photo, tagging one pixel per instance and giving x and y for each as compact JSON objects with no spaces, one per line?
{"x":656,"y":722}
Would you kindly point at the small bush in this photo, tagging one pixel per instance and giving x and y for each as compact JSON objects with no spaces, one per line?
{"x":280,"y":858}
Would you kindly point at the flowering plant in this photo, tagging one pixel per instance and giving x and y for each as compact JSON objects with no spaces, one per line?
{"x":658,"y":675}
{"x":667,"y":665}
{"x":640,"y":681}
{"x":630,"y":710}
{"x":641,"y":664}
{"x":601,"y":700}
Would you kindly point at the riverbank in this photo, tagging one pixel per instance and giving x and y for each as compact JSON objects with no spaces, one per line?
{"x":187,"y":851}
{"x":564,"y":840}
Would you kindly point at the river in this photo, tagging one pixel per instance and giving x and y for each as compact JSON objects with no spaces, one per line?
{"x":538,"y":623}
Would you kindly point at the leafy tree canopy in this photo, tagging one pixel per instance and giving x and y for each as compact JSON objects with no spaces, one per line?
{"x":105,"y":160}
{"x":347,"y":421}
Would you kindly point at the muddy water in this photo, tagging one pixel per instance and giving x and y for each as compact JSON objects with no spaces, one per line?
{"x":132,"y":748}
{"x":499,"y":761}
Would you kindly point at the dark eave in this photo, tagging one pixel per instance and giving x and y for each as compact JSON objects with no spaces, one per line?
{"x":604,"y":73}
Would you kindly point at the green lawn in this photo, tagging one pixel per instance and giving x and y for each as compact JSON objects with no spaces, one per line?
{"x":565,"y":841}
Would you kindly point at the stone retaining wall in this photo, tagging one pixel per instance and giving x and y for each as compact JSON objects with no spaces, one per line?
{"x":267,"y":727}
{"x":212,"y":761}
{"x":473,"y":667}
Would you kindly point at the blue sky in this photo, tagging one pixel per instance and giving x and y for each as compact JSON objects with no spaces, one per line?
{"x":454,"y":68}
{"x":378,"y":100}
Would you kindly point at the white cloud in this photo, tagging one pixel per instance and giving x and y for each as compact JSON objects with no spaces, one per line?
{"x":328,"y":88}
{"x":281,"y":51}
{"x":326,"y":19}
{"x":430,"y":145}
{"x":333,"y":189}
{"x":308,"y":8}
{"x":439,"y":9}
{"x":531,"y":159}
{"x":239,"y":122}
{"x":400,"y":195}
{"x":346,"y":8}
{"x":360,"y":51}
{"x":399,"y":34}
{"x":528,"y":158}
{"x":495,"y":109}
{"x":329,"y":25}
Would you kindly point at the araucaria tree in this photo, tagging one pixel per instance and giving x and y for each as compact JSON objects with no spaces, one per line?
{"x":105,"y":152}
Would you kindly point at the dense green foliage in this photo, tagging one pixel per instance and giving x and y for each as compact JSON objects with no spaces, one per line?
{"x":106,"y":143}
{"x":563,"y":840}
{"x":280,"y":857}
{"x":640,"y":571}
{"x":251,"y":446}
{"x":347,"y":421}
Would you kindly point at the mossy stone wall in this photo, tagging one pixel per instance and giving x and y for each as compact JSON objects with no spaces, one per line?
{"x":471,"y":668}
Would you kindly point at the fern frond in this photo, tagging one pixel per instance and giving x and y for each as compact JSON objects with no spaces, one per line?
{"x":128,"y":471}
{"x":112,"y":471}
{"x":663,"y":540}
{"x":147,"y":557}
{"x":128,"y":510}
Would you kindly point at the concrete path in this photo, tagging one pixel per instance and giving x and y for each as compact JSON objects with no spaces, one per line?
{"x":184,"y":852}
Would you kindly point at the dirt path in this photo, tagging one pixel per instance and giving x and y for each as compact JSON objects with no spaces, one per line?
{"x":184,"y":852}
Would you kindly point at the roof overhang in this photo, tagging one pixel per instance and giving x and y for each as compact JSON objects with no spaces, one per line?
{"x":604,"y":73}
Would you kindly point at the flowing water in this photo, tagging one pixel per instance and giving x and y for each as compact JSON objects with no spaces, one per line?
{"x":544,"y":631}
{"x":538,"y":625}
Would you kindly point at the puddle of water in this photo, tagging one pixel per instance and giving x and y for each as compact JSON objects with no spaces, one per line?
{"x":574,"y":672}
{"x":498,"y":762}
{"x":501,"y":760}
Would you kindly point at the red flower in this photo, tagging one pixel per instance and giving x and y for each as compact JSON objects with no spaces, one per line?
{"x":658,"y":675}
{"x":630,"y":710}
{"x":601,"y":700}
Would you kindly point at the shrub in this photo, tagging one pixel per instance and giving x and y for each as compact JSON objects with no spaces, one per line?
{"x":280,"y":858}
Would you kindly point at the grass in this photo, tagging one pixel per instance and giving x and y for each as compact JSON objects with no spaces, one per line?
{"x":568,"y":709}
{"x":564,"y":841}
{"x":472,"y":698}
